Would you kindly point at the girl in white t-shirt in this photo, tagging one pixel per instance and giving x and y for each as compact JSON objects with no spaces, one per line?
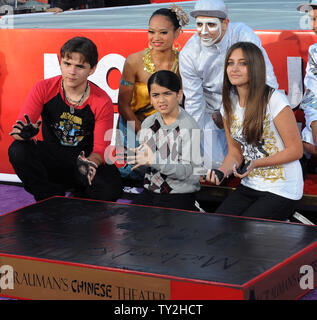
{"x":264,"y":143}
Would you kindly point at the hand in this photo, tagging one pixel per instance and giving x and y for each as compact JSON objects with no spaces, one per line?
{"x":310,"y":148}
{"x":215,"y":176}
{"x":245,"y":170}
{"x":143,"y":156}
{"x":217,"y":118}
{"x":86,"y":167}
{"x":54,"y":10}
{"x":313,"y":126}
{"x":25,"y":131}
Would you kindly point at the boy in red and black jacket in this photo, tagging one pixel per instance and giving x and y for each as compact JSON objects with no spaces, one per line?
{"x":76,"y":114}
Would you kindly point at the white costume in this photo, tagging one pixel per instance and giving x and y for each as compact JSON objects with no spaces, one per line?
{"x":201,"y":67}
{"x":309,"y":102}
{"x":285,"y":180}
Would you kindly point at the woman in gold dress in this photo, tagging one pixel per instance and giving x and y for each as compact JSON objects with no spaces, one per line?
{"x":134,"y":101}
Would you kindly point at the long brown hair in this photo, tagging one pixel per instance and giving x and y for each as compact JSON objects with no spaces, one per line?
{"x":258,"y":95}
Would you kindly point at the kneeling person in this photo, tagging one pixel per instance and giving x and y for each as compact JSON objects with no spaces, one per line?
{"x":167,"y":148}
{"x":75,"y":115}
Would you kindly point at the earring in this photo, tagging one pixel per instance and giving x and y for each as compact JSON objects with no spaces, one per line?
{"x":150,"y":47}
{"x":176,"y":46}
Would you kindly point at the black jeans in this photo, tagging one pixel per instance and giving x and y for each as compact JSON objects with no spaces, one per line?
{"x":48,"y":170}
{"x":248,"y":202}
{"x":183,"y":201}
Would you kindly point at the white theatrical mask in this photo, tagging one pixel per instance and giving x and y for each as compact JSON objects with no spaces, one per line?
{"x":206,"y":25}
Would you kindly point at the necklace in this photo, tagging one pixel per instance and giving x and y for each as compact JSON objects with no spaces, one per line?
{"x":74,"y":102}
{"x":149,"y":65}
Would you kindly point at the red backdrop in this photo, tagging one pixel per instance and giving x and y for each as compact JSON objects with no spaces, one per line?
{"x":23,"y":52}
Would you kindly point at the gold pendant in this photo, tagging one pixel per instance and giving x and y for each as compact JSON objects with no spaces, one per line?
{"x":149,"y":65}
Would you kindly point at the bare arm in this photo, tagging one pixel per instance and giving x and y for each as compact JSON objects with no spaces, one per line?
{"x":126,"y":88}
{"x":96,"y":158}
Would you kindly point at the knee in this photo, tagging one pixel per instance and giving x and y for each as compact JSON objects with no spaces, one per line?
{"x":18,"y":151}
{"x":106,"y":186}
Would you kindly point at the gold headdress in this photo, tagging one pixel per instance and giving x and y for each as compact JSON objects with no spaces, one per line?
{"x":180,"y":14}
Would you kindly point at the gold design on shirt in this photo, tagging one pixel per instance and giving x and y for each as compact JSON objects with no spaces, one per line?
{"x":72,"y":118}
{"x":269,"y":147}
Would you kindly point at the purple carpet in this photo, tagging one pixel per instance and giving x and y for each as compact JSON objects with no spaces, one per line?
{"x":15,"y":197}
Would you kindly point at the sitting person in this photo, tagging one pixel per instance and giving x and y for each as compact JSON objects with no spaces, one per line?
{"x":75,"y":115}
{"x":95,"y":3}
{"x":201,"y":64}
{"x":57,"y":6}
{"x":166,"y":151}
{"x":261,"y":131}
{"x":133,"y":100}
{"x":309,"y":101}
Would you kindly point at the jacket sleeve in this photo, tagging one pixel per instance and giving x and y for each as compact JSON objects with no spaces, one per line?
{"x":103,"y":128}
{"x":195,"y":103}
{"x":34,"y":102}
{"x":309,"y":101}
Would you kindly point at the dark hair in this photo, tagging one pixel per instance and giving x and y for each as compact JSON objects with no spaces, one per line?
{"x":168,"y":14}
{"x":81,"y":45}
{"x":166,"y":79}
{"x":258,"y":95}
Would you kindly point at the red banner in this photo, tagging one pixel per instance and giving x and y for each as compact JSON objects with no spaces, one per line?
{"x":29,"y":55}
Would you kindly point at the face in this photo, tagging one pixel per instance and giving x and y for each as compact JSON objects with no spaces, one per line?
{"x":210,"y":29}
{"x":161,"y":33}
{"x":237,"y":69}
{"x":164,"y":100}
{"x":75,"y":71}
{"x":313,"y":19}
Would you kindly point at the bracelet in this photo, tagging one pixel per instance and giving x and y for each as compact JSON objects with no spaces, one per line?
{"x":224,"y":171}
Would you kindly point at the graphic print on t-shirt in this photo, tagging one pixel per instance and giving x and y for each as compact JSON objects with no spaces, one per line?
{"x":69,"y":129}
{"x":65,"y":127}
{"x":264,"y":148}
